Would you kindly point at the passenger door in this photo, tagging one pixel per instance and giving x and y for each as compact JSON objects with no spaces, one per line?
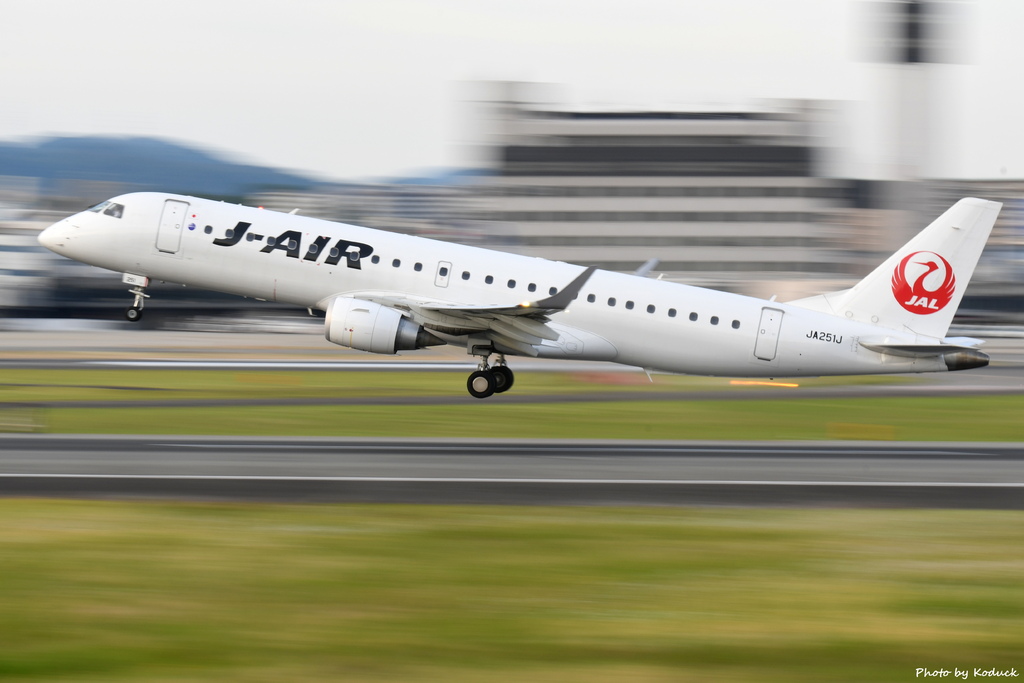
{"x":172,"y":221}
{"x":768,"y":334}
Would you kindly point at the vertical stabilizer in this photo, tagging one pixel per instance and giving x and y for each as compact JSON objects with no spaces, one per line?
{"x":919,"y":288}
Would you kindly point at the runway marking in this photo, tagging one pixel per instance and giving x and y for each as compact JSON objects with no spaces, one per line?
{"x":498,"y":480}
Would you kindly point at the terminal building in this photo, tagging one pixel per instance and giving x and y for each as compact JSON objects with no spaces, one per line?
{"x":737,"y":200}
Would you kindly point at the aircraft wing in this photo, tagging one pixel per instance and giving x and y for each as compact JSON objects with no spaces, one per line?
{"x":518,"y":328}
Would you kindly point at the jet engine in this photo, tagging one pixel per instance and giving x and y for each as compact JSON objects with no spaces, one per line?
{"x":368,"y":326}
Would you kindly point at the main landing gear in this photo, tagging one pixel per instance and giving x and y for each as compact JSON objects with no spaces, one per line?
{"x":489,"y":380}
{"x":139,"y":284}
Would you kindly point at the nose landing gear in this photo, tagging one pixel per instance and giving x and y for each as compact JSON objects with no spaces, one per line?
{"x":139,"y":284}
{"x":489,"y":380}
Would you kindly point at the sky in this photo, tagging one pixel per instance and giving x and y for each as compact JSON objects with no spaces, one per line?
{"x":376,"y":88}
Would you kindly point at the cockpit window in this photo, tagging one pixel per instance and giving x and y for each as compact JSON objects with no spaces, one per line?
{"x":108,"y":208}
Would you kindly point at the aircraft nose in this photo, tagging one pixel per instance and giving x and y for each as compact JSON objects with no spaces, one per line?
{"x":56,"y":236}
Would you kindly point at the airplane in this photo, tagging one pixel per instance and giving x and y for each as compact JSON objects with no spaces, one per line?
{"x":384,"y":292}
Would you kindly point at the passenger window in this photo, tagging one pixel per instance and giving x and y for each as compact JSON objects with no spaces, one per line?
{"x":374,"y":260}
{"x":443,"y":271}
{"x":591,"y":298}
{"x":611,"y":301}
{"x":489,"y":279}
{"x":714,"y":320}
{"x":418,"y":267}
{"x":735,"y":324}
{"x":693,"y":317}
{"x":532,"y":287}
{"x":396,"y":263}
{"x":553,"y":291}
{"x":650,"y":309}
{"x":511,"y":284}
{"x":671,"y":312}
{"x":465,"y":275}
{"x":629,"y":305}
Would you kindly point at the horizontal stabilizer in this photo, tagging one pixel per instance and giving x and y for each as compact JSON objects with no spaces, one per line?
{"x":915,"y":350}
{"x":956,"y":356}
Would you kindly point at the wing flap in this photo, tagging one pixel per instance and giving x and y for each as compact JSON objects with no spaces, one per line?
{"x":512,"y":332}
{"x":529,"y":326}
{"x":514,"y":345}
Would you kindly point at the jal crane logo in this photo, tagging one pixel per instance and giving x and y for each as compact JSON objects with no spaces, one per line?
{"x":927,"y":287}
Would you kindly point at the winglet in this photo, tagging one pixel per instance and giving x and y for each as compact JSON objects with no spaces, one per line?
{"x":647,"y":267}
{"x":529,"y":309}
{"x":561,"y":300}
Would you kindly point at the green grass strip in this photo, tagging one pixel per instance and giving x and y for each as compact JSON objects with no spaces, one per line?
{"x":158,"y":592}
{"x":778,"y":415}
{"x":913,"y":419}
{"x":148,"y":384}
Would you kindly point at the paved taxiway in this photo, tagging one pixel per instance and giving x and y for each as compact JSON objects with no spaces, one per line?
{"x":989,"y":476}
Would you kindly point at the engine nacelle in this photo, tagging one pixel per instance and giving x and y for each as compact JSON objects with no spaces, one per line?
{"x":367,"y":326}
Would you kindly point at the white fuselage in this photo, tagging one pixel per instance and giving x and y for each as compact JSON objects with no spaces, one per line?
{"x":627,"y":319}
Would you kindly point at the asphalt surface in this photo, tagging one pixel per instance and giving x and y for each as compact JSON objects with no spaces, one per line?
{"x":832,"y":474}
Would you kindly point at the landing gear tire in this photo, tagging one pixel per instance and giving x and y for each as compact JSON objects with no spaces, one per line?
{"x":482,"y":384}
{"x":133,"y":314}
{"x":503,"y":378}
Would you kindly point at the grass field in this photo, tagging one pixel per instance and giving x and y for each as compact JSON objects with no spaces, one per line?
{"x":96,"y":591}
{"x":776,"y":415}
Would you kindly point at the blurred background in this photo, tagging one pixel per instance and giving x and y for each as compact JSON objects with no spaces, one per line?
{"x":779,"y":148}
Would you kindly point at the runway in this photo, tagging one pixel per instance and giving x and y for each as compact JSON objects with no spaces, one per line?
{"x":823,"y":474}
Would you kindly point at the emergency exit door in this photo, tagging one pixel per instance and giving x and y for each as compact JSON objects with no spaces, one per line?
{"x":172,"y":220}
{"x":768,"y":334}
